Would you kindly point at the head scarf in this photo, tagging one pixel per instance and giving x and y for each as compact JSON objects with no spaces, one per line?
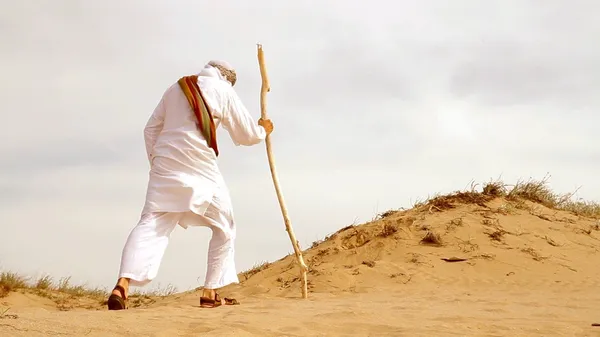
{"x":220,"y":69}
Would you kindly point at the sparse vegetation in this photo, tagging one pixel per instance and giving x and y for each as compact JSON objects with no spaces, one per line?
{"x":490,"y":222}
{"x":467,"y":246}
{"x":539,"y":192}
{"x":449,"y":201}
{"x":582,"y":208}
{"x":388,"y":230}
{"x":497,"y":234}
{"x":405,"y":277}
{"x":551,"y":242}
{"x":495,"y":189}
{"x":62,"y":294}
{"x":67,"y":295}
{"x":532,"y":197}
{"x":385,"y":214}
{"x":256,"y":269}
{"x":4,"y":315}
{"x":432,"y":238}
{"x":10,"y":282}
{"x":316,"y":243}
{"x":369,"y":263}
{"x":491,"y":205}
{"x":531,"y":190}
{"x":507,"y":208}
{"x":141,"y":298}
{"x":534,"y":254}
{"x":44,"y":283}
{"x":454,"y":223}
{"x":535,"y":191}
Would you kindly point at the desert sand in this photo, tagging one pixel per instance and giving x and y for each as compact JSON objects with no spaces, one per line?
{"x":471,"y":264}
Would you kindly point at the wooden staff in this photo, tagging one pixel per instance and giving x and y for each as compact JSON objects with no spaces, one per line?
{"x":264,"y":89}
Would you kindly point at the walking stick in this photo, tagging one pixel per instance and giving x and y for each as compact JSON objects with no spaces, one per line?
{"x":288,"y":226}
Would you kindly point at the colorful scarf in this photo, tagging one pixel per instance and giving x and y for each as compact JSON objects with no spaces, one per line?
{"x":206,"y":125}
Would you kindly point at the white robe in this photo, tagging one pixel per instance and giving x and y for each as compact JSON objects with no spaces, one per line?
{"x":185,"y":186}
{"x":184,"y":174}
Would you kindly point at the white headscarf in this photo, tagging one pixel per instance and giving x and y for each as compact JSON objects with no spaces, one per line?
{"x":211,"y":69}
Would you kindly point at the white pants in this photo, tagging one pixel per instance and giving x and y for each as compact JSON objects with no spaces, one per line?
{"x":148,"y":241}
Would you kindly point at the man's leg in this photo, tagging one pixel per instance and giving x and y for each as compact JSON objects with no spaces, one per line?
{"x":221,"y":270}
{"x":144,"y":249}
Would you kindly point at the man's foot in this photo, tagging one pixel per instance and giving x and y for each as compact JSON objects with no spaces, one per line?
{"x":118,"y":297}
{"x":211,"y":299}
{"x":117,"y":300}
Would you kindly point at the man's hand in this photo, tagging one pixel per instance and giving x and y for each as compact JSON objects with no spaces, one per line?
{"x":267,"y":124}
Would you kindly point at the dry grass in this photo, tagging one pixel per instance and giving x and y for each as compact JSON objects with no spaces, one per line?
{"x":539,"y":192}
{"x":443,"y":202}
{"x":68,"y":296}
{"x":369,"y":263}
{"x":432,"y":238}
{"x":524,"y":195}
{"x":316,"y":243}
{"x":536,"y":191}
{"x":10,"y":282}
{"x":44,"y":286}
{"x":44,"y":283}
{"x":490,"y":191}
{"x":534,"y":254}
{"x":582,"y":208}
{"x":65,"y":287}
{"x":388,"y":230}
{"x":454,"y":223}
{"x":386,"y":214}
{"x":495,"y":189}
{"x":4,"y":315}
{"x":497,"y":234}
{"x":142,"y":298}
{"x":255,"y":270}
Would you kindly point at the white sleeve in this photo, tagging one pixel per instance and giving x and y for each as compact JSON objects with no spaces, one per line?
{"x":154,"y":127}
{"x":242,"y":128}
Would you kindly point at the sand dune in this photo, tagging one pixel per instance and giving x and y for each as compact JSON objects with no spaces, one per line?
{"x":472,"y":264}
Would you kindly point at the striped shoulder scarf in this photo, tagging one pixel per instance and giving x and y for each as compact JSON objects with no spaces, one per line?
{"x":206,"y":124}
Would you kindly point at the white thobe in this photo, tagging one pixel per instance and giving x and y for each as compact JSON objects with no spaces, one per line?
{"x":184,"y":174}
{"x":185,"y":185}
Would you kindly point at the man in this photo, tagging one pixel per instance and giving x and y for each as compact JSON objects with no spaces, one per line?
{"x":185,"y":186}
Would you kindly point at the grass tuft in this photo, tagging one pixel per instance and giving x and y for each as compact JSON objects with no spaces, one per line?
{"x":535,"y":191}
{"x":495,"y":189}
{"x":255,"y":270}
{"x":44,"y":283}
{"x":10,"y":281}
{"x":388,"y":230}
{"x":432,"y":239}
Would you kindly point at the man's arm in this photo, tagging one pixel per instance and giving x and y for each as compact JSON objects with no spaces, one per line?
{"x":242,"y":128}
{"x":154,"y":127}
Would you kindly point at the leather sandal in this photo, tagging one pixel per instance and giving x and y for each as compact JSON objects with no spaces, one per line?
{"x":116,"y":302}
{"x":206,"y":302}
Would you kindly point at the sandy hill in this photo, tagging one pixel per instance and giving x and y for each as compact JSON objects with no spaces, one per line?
{"x":494,"y":262}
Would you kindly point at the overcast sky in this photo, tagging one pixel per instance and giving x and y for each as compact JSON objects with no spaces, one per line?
{"x":376,"y":104}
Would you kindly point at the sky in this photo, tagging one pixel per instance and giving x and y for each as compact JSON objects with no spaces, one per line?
{"x":375,"y":105}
